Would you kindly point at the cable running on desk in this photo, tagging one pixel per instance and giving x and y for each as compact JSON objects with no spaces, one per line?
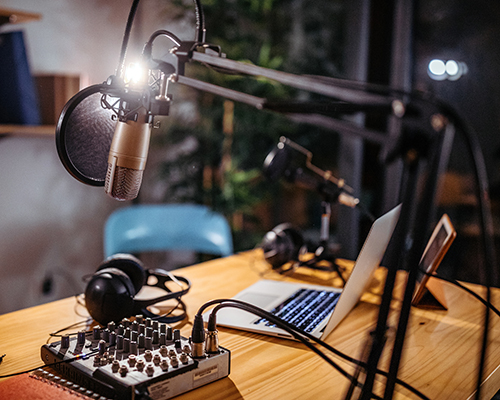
{"x":305,"y":338}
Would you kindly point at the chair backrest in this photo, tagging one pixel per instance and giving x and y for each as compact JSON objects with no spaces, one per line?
{"x":159,"y":227}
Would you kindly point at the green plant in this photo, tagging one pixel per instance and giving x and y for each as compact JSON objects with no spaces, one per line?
{"x":296,"y":36}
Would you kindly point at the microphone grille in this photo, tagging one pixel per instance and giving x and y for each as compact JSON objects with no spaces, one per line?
{"x":125,"y":183}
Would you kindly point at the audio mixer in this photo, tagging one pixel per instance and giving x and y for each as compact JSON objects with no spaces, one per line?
{"x":140,"y":359}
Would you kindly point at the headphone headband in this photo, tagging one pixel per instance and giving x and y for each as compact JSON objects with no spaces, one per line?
{"x":110,"y":293}
{"x":163,"y":277}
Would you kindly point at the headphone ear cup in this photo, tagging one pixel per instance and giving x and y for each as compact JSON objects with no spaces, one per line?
{"x":109,"y":295}
{"x":130,"y":265}
{"x":282,"y":244}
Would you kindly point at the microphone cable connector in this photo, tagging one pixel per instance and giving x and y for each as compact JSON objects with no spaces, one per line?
{"x":212,"y":341}
{"x":198,"y":337}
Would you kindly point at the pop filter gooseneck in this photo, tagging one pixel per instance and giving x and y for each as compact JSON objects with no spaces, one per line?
{"x":83,"y":136}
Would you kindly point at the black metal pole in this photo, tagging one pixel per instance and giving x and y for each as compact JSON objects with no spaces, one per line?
{"x":422,"y":222}
{"x":379,"y":335}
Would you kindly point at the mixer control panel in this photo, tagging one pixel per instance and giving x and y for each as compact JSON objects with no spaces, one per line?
{"x":135,"y":359}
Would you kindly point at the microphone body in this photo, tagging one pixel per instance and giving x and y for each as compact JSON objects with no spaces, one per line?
{"x":127,"y":158}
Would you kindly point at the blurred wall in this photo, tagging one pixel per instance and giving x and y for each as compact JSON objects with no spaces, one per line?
{"x":50,"y":224}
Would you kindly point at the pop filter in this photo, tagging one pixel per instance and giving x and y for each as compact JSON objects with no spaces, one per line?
{"x":83,"y":136}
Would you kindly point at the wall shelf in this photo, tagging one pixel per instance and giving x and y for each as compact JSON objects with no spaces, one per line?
{"x":8,"y":16}
{"x":27,"y":130}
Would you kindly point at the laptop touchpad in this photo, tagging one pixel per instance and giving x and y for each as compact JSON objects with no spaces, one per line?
{"x":258,"y":299}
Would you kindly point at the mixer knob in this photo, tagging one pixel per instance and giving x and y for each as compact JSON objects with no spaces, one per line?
{"x":127,"y":333}
{"x":102,"y":347}
{"x":163,"y":339}
{"x":164,"y":365}
{"x":80,"y":339}
{"x":150,"y":370}
{"x":96,"y":332}
{"x":132,"y":360}
{"x":126,"y":322}
{"x":111,"y":326}
{"x":174,"y":361}
{"x":123,"y":370}
{"x":142,"y":341}
{"x":156,"y":337}
{"x":119,"y":342}
{"x":115,"y":366}
{"x":133,"y":347}
{"x":177,"y":338}
{"x":139,"y":364}
{"x":126,"y":345}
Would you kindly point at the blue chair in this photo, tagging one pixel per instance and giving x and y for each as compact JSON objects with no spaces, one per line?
{"x":163,"y":227}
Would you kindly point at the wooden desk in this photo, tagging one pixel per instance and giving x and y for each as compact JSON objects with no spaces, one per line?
{"x":440,"y":359}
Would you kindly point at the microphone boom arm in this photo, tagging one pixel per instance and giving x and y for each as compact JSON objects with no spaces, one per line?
{"x":346,"y":97}
{"x":308,"y":83}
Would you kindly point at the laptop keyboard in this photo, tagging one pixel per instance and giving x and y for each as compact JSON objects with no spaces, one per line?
{"x":305,"y":309}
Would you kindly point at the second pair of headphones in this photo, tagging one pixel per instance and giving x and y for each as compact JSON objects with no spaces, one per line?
{"x":282,"y":245}
{"x":110,"y":292}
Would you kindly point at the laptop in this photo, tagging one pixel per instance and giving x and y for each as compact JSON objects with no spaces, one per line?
{"x":314,"y":308}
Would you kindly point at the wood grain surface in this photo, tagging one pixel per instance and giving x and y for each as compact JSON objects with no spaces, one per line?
{"x":440,"y":357}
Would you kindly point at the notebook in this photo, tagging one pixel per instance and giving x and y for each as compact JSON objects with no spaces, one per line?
{"x":314,"y":308}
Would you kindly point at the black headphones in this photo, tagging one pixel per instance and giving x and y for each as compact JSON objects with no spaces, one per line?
{"x":109,"y":295}
{"x":282,"y":245}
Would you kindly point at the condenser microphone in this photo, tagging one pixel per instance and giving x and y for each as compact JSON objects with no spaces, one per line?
{"x":129,"y":148}
{"x":104,"y":131}
{"x":127,"y":157}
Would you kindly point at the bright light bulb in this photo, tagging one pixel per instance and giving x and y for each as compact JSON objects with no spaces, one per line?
{"x":452,"y":67}
{"x":451,"y":70}
{"x":437,"y":67}
{"x":135,"y":73}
